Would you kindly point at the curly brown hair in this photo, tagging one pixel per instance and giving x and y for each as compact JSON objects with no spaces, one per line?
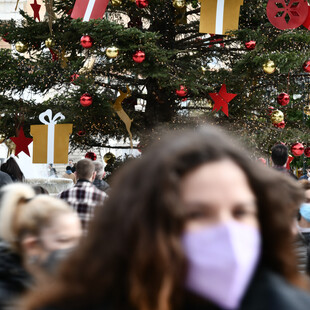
{"x":133,"y":258}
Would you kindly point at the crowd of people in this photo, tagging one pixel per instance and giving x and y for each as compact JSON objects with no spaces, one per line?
{"x":193,"y":224}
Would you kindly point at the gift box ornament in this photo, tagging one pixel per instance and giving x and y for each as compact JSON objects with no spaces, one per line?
{"x":51,"y":140}
{"x":219,"y":16}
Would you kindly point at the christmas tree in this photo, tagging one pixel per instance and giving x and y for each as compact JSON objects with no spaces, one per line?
{"x":164,"y":68}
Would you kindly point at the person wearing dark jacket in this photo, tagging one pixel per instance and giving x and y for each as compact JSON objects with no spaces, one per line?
{"x":193,"y":224}
{"x":98,"y":181}
{"x":14,"y":279}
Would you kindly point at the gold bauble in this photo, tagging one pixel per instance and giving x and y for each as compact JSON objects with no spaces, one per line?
{"x":50,"y":43}
{"x":112,"y":52}
{"x":21,"y":47}
{"x":179,"y":4}
{"x":269,"y":67}
{"x":307,"y":110}
{"x":277,"y":117}
{"x":203,"y":69}
{"x":116,"y":2}
{"x":109,"y":158}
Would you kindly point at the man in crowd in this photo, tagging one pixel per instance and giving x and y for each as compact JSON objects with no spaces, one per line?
{"x":84,"y":197}
{"x":99,"y":182}
{"x":279,"y":155}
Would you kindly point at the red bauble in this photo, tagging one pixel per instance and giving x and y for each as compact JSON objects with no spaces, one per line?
{"x":270,"y":110}
{"x":91,"y":155}
{"x":306,"y":66}
{"x":87,"y":41}
{"x":280,"y":125}
{"x":182,"y":91}
{"x":307,"y":151}
{"x":250,"y":45}
{"x":74,"y":77}
{"x":283,"y":99}
{"x":81,"y":133}
{"x":142,"y":3}
{"x":287,"y":16}
{"x":138,"y":56}
{"x":297,"y":149}
{"x":4,"y":38}
{"x":86,"y":100}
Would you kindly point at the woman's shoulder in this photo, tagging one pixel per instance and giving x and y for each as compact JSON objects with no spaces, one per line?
{"x":271,"y":291}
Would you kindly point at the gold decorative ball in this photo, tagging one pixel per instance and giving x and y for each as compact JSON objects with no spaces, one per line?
{"x":50,"y":43}
{"x":109,"y":158}
{"x":203,"y":69}
{"x":277,"y":117}
{"x":116,"y":2}
{"x":307,"y":110}
{"x":112,"y":51}
{"x":179,"y":4}
{"x":269,"y":67}
{"x":21,"y":47}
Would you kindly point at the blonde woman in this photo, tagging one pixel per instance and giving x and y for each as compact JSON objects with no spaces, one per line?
{"x":35,"y":231}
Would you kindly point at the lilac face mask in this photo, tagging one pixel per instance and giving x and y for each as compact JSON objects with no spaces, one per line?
{"x":221,"y":261}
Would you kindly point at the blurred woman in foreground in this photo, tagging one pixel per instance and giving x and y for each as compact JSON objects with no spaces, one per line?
{"x":193,"y":224}
{"x":36,"y":232}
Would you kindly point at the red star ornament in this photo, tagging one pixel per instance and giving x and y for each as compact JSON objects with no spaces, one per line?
{"x":21,"y":142}
{"x":36,"y":8}
{"x":221,"y":100}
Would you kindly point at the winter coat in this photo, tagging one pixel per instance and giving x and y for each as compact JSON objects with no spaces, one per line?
{"x":14,"y":280}
{"x":267,"y":291}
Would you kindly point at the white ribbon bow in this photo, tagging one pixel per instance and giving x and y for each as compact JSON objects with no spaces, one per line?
{"x":51,"y":122}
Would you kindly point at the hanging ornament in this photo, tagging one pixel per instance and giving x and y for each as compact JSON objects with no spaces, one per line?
{"x":221,"y":100}
{"x":21,"y":47}
{"x":182,"y":91}
{"x":277,"y":116}
{"x":219,"y":16}
{"x":81,"y":133}
{"x":5,"y":39}
{"x":21,"y":142}
{"x":287,"y":16}
{"x":87,"y":41}
{"x":112,"y":52}
{"x":250,"y":45}
{"x":74,"y":77}
{"x":283,"y":99}
{"x":138,"y":56}
{"x":142,"y":3}
{"x":288,"y":162}
{"x":36,"y":9}
{"x":297,"y":149}
{"x":270,"y":110}
{"x":307,"y":152}
{"x":306,"y":66}
{"x":86,"y":100}
{"x":269,"y":67}
{"x":280,"y":125}
{"x":91,"y":155}
{"x":116,"y":2}
{"x":179,"y":4}
{"x":87,"y":10}
{"x":109,"y":158}
{"x":50,"y":43}
{"x":307,"y":110}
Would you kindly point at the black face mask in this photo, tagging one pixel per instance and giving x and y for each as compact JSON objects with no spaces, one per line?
{"x":55,"y":258}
